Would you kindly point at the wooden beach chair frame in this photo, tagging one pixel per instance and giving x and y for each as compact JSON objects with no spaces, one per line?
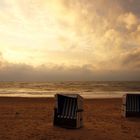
{"x":68,"y":111}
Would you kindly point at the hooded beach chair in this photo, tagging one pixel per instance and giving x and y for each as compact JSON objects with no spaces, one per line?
{"x":68,"y":111}
{"x":131,"y":105}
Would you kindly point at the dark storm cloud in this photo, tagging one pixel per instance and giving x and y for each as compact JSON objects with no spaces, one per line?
{"x":131,"y":6}
{"x":22,"y":72}
{"x":103,"y":7}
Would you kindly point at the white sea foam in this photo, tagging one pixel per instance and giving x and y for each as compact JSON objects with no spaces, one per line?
{"x":85,"y":89}
{"x":34,"y":93}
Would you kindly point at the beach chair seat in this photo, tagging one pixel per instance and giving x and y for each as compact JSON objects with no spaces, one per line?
{"x":131,"y":105}
{"x":68,"y":111}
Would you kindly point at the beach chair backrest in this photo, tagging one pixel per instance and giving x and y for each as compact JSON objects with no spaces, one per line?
{"x":133,"y":103}
{"x":67,"y":106}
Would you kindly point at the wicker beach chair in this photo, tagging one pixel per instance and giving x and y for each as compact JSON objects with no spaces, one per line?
{"x":68,"y":111}
{"x":131,"y":105}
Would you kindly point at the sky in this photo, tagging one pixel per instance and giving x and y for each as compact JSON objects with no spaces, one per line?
{"x":43,"y":40}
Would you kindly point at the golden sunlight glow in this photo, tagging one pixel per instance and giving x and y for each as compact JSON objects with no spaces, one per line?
{"x":61,"y":32}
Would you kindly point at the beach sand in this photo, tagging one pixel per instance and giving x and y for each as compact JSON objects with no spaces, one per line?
{"x":32,"y":119}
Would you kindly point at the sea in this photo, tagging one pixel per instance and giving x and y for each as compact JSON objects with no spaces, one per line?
{"x":87,"y":89}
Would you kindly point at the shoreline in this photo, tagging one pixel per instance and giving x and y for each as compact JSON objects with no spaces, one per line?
{"x":93,"y":98}
{"x":85,"y":95}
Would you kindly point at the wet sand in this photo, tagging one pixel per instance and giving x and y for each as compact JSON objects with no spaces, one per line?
{"x":31,"y":119}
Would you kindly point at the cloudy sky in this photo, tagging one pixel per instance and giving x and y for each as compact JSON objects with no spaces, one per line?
{"x":43,"y":40}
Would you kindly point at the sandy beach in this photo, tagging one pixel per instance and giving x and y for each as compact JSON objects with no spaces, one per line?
{"x":32,"y":119}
